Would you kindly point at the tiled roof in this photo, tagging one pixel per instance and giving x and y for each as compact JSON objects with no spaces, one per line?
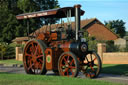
{"x":54,"y":26}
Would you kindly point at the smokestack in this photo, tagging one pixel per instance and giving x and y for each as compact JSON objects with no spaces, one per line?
{"x":77,"y":20}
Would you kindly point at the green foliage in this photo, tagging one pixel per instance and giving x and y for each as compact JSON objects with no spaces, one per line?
{"x":126,"y":49}
{"x":2,"y":50}
{"x":8,"y":21}
{"x":110,"y":47}
{"x":117,"y":26}
{"x":126,"y":34}
{"x":92,"y":42}
{"x":10,"y":27}
{"x":6,"y":51}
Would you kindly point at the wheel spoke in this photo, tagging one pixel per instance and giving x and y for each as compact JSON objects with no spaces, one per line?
{"x":65,"y":60}
{"x":36,"y":50}
{"x":95,"y":65}
{"x":40,"y":56}
{"x":91,"y":56}
{"x":30,"y":67}
{"x":86,"y":59}
{"x":72,"y":67}
{"x":86,"y":68}
{"x":65,"y":70}
{"x":71,"y":62}
{"x":33,"y":46}
{"x":32,"y":52}
{"x":40,"y":65}
{"x":72,"y":72}
{"x":92,"y":68}
{"x":68,"y":58}
{"x":94,"y":59}
{"x":62,"y":65}
{"x":26,"y":54}
{"x":41,"y":60}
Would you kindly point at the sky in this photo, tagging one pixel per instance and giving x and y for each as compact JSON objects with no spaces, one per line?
{"x":103,"y":10}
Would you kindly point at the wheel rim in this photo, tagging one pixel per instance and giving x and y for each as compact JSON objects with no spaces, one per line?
{"x":33,"y":58}
{"x":68,"y":65}
{"x":92,"y":65}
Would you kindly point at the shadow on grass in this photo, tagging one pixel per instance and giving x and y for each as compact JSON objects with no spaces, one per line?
{"x":4,"y":73}
{"x":121,"y":69}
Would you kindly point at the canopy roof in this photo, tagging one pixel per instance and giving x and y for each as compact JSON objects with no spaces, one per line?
{"x":56,"y":13}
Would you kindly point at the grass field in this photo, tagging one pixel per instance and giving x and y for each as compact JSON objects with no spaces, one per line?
{"x":10,"y":61}
{"x":21,"y":79}
{"x":120,"y":69}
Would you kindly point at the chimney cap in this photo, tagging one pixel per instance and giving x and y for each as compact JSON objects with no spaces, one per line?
{"x":77,"y":6}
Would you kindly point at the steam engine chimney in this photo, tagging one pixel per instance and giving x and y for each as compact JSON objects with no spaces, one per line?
{"x":77,"y":20}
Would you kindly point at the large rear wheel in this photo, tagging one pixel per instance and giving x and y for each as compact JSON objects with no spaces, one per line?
{"x":68,"y":65}
{"x":34,"y":57}
{"x":92,"y":65}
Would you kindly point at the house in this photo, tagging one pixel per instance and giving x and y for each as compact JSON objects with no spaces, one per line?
{"x":120,"y":42}
{"x":20,"y":40}
{"x":93,"y":26}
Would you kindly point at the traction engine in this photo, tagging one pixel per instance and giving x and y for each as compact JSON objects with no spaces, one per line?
{"x":66,"y":57}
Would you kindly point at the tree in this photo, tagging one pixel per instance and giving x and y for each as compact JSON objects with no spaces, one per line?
{"x":2,"y":50}
{"x":10,"y":27}
{"x":6,"y":51}
{"x":8,"y":22}
{"x":117,"y":26}
{"x":45,"y":5}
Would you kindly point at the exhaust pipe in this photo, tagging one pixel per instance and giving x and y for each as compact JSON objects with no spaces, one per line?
{"x":77,"y":20}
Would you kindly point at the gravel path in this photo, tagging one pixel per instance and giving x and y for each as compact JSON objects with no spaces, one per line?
{"x":105,"y":77}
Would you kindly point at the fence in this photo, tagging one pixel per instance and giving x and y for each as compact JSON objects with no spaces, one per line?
{"x":19,"y":54}
{"x":111,"y":57}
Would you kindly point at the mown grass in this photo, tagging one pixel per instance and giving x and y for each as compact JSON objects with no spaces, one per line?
{"x":22,"y":79}
{"x":10,"y":61}
{"x":120,"y":69}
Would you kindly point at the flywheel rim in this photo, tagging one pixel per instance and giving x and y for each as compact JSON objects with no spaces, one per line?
{"x":34,"y":57}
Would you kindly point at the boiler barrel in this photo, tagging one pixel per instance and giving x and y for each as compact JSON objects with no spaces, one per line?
{"x":78,"y":48}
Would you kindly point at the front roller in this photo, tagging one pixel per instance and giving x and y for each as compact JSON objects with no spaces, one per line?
{"x":92,"y":65}
{"x":34,"y":57}
{"x":68,"y":65}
